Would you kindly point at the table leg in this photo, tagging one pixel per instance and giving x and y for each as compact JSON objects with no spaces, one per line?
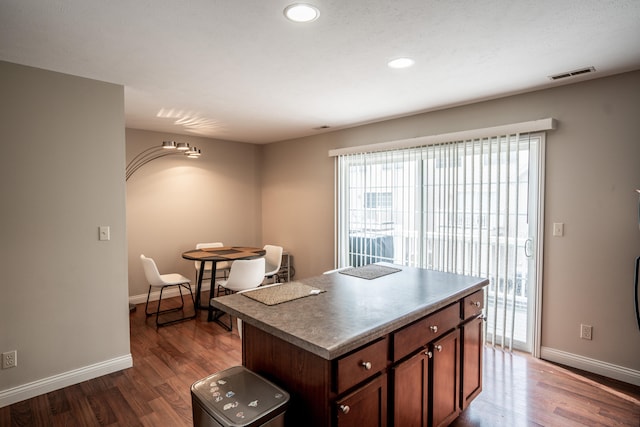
{"x":199,"y":284}
{"x":212,"y":289}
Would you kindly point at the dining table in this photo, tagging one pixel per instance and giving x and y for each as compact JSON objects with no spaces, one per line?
{"x":215,"y":255}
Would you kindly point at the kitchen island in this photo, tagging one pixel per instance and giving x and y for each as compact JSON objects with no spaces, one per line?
{"x":393,"y":350}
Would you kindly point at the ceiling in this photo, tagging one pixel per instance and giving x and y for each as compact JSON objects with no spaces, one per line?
{"x":238,"y":70}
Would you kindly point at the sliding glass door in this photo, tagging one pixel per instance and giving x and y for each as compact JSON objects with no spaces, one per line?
{"x":467,"y":207}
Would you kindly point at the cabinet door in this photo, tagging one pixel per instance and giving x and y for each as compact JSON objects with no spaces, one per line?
{"x":411,"y":391}
{"x":471,"y":361}
{"x":446,"y":377}
{"x":366,"y":406}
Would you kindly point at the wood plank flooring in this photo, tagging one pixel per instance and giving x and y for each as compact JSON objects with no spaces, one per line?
{"x":518,"y":390}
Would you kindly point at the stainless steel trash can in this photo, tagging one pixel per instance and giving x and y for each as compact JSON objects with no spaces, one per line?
{"x":237,"y":397}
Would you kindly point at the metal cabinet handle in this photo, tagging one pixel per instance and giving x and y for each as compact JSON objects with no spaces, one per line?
{"x":428,"y":354}
{"x":475,"y":303}
{"x":366,"y":365}
{"x":438,"y":347}
{"x":345,"y":409}
{"x":433,"y":328}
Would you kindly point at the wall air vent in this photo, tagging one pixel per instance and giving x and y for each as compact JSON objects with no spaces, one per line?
{"x":573,"y":73}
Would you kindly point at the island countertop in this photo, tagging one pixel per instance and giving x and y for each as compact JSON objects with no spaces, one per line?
{"x":352,"y":311}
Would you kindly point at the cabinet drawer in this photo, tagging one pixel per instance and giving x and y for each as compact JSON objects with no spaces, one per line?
{"x":425,"y":330}
{"x":473,"y":304}
{"x":357,"y":367}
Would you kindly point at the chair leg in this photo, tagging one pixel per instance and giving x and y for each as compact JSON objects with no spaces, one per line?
{"x":228,"y":327}
{"x":216,"y":318}
{"x":158,"y":309}
{"x":193,"y":298}
{"x":146,"y":306}
{"x":159,"y":312}
{"x":181,"y":299}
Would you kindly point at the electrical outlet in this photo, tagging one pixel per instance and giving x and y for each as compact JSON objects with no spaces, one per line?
{"x":585,"y":332}
{"x":558,"y":229}
{"x":10,"y":359}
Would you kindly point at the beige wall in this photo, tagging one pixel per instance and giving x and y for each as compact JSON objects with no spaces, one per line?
{"x":592,"y":169}
{"x":63,"y":303}
{"x":174,"y":203}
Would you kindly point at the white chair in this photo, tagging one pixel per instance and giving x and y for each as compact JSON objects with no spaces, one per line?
{"x":273,"y":261}
{"x":223,"y":266}
{"x":162,"y":281}
{"x":245,"y":274}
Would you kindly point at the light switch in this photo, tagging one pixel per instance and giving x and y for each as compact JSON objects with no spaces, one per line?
{"x":558,"y":229}
{"x":104,"y":233}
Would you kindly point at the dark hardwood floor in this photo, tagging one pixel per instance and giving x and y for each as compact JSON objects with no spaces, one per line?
{"x":518,"y":390}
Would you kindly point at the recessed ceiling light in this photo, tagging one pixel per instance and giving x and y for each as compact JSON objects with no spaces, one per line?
{"x":301,"y":12}
{"x":400,"y":63}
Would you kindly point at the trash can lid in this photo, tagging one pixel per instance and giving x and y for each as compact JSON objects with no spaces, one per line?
{"x":238,"y":397}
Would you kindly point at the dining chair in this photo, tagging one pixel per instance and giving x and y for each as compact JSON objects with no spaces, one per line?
{"x":162,"y":281}
{"x":273,"y":261}
{"x":244,"y":274}
{"x":223,"y":266}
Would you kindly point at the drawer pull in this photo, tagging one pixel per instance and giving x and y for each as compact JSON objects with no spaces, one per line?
{"x":434,"y":329}
{"x":475,"y":303}
{"x":438,"y":347}
{"x":428,"y":354}
{"x":366,"y":365}
{"x":345,"y":409}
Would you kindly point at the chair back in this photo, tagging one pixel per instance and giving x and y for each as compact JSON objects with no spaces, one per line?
{"x":207,"y":265}
{"x":273,"y":259}
{"x":151,"y":271}
{"x":245,"y":274}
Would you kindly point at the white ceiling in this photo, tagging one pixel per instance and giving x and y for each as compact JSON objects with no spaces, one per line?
{"x":238,"y":70}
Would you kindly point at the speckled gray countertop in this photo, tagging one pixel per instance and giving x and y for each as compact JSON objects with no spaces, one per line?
{"x":353,"y":311}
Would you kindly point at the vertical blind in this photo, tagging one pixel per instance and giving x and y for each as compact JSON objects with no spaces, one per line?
{"x":461,"y":206}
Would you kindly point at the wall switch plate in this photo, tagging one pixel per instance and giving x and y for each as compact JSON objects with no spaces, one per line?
{"x":10,"y":359}
{"x":558,"y":229}
{"x":586,"y":332}
{"x":104,"y":233}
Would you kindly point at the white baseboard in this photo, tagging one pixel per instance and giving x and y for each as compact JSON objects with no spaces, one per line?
{"x":56,"y":382}
{"x":606,"y":369}
{"x":168,"y":293}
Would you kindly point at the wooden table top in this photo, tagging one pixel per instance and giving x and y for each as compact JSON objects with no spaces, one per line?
{"x":224,"y":253}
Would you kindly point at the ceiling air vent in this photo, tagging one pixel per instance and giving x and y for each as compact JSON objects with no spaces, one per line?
{"x":573,"y":73}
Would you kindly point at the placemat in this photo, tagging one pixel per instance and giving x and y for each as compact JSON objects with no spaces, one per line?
{"x":200,"y":254}
{"x":221,"y":250}
{"x":282,"y":293}
{"x":369,"y":272}
{"x":239,"y":255}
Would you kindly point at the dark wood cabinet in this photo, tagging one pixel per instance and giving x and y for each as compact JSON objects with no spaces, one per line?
{"x":471,"y":367}
{"x":471,"y":348}
{"x":445,"y":379}
{"x":425,"y":387}
{"x":367,"y":406}
{"x":411,"y":391}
